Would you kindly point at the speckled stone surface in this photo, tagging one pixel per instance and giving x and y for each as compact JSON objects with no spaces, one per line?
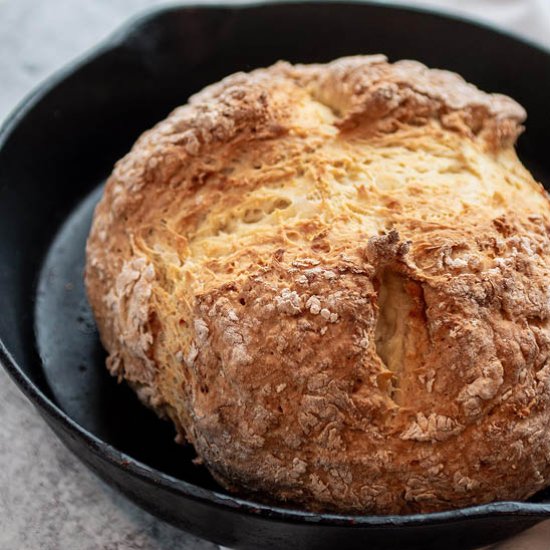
{"x":48,"y":500}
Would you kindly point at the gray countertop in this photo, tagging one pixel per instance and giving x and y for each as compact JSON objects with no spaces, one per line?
{"x":48,"y":500}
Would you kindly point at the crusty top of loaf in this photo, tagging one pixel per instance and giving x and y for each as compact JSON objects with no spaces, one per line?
{"x":334,"y":279}
{"x":357,"y":90}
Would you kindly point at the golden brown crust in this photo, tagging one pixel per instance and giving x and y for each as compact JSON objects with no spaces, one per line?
{"x":334,"y":280}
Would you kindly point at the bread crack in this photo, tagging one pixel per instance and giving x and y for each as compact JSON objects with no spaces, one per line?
{"x":400,"y":334}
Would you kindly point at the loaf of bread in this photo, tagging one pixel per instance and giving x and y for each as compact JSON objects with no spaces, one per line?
{"x":334,"y":280}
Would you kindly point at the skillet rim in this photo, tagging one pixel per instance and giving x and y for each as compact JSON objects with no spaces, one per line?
{"x":133,"y":467}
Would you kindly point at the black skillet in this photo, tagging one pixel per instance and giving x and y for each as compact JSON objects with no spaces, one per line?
{"x":58,"y":147}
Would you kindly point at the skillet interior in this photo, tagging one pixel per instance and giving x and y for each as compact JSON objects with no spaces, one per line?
{"x":61,"y":144}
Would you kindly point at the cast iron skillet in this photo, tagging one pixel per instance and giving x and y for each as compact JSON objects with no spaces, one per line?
{"x":59,"y":146}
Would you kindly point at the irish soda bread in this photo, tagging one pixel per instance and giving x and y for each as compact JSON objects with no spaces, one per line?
{"x":334,"y":279}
